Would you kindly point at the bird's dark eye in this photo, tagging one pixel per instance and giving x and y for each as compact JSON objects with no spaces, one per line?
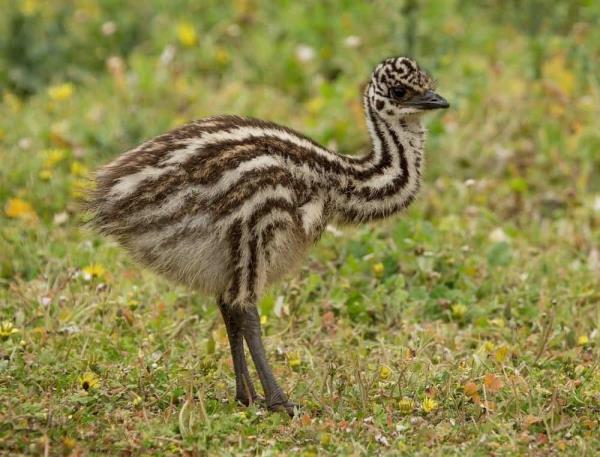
{"x":398,"y":92}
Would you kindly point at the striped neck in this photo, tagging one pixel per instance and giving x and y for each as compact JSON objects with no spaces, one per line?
{"x":387,"y":179}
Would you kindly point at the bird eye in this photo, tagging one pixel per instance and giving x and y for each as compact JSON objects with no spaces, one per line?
{"x":398,"y":92}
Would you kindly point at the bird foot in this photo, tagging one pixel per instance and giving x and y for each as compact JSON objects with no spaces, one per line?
{"x":280,"y":406}
{"x":286,"y":406}
{"x":244,"y":400}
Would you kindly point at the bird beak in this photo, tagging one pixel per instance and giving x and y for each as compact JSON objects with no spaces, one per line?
{"x":428,"y":100}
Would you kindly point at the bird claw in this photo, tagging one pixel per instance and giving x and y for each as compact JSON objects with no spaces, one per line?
{"x":288,"y":407}
{"x":244,"y":400}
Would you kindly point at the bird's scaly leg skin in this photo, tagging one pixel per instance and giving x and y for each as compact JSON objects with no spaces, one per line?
{"x":275,"y":397}
{"x":244,"y":388}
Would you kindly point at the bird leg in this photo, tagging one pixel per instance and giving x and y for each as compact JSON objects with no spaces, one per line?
{"x":240,"y":299}
{"x":275,"y":398}
{"x":244,"y":388}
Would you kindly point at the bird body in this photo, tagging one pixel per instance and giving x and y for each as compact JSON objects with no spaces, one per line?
{"x":227,"y":205}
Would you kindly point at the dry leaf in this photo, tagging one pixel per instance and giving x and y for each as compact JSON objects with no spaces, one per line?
{"x":488,"y":405}
{"x":470,"y":389}
{"x":542,"y":438}
{"x":305,"y":420}
{"x":530,"y":420}
{"x":492,"y":383}
{"x":127,"y":314}
{"x":328,"y":321}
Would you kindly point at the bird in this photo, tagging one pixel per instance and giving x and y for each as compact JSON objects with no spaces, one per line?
{"x":227,"y":205}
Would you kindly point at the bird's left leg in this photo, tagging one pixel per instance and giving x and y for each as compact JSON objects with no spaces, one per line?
{"x":275,"y":398}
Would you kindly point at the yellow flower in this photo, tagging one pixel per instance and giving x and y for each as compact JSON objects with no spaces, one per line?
{"x":325,"y":439}
{"x":45,"y":175}
{"x":406,"y":405}
{"x":498,"y":322}
{"x":243,"y":7}
{"x":61,"y":92}
{"x":488,"y":346}
{"x":459,"y":310}
{"x":53,"y":157}
{"x":20,"y":209}
{"x":315,"y":105}
{"x":264,"y":319}
{"x":384,"y":372}
{"x":222,"y":56}
{"x":583,"y":340}
{"x":80,"y":186}
{"x":136,"y":399}
{"x":78,"y":169}
{"x":88,"y":381}
{"x":378,"y":269}
{"x":29,"y":7}
{"x":7,"y":328}
{"x":186,"y":34}
{"x":12,"y":101}
{"x":556,"y":69}
{"x":95,"y":270}
{"x":589,"y":423}
{"x":294,"y":359}
{"x":429,"y":404}
{"x":178,"y":121}
{"x":501,"y":354}
{"x":69,"y":443}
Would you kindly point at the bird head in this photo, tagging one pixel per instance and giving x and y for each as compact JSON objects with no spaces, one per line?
{"x":399,"y":88}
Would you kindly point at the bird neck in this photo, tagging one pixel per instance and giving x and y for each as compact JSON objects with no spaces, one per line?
{"x":387,"y":179}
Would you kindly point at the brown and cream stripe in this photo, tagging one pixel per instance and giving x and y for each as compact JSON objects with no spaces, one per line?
{"x":229,"y":204}
{"x":195,"y":184}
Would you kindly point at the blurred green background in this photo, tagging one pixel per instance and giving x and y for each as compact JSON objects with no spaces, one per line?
{"x":490,"y":279}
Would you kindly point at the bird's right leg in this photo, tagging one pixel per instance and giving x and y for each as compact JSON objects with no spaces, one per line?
{"x":247,"y":277}
{"x":275,"y":398}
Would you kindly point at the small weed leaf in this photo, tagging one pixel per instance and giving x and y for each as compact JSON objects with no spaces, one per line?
{"x":499,"y":254}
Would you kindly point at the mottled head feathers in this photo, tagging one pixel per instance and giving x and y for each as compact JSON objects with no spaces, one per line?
{"x":399,"y":87}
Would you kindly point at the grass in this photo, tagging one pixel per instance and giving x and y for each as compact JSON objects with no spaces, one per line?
{"x":468,"y":325}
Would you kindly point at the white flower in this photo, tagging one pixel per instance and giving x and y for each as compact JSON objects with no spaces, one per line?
{"x":352,"y":41}
{"x":334,"y":231}
{"x":60,"y":218}
{"x":109,"y":28}
{"x":593,"y":260}
{"x":498,"y":235}
{"x":305,"y":53}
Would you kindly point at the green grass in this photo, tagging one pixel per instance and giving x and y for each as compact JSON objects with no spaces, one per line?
{"x":483,"y":297}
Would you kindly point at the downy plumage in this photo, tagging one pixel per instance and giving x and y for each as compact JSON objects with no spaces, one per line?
{"x":227,"y":204}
